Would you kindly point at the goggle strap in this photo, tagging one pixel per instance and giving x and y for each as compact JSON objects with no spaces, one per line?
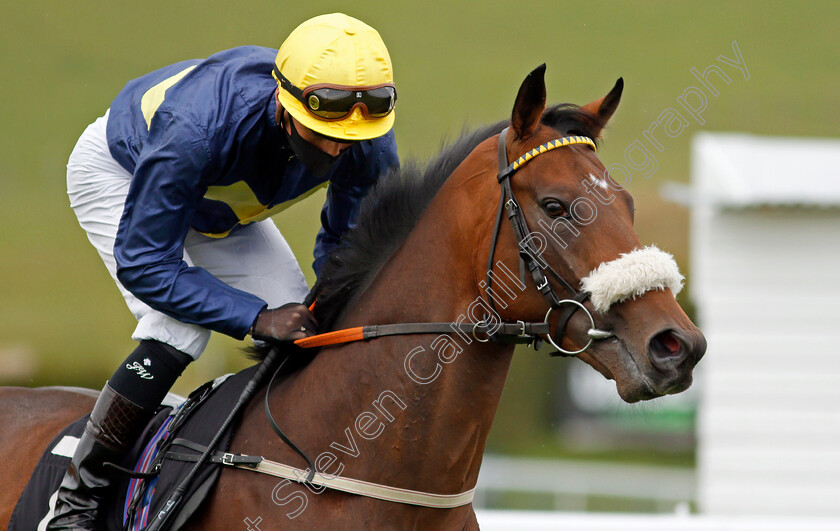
{"x":286,"y":84}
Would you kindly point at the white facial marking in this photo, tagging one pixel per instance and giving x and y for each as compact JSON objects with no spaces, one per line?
{"x":602,"y":182}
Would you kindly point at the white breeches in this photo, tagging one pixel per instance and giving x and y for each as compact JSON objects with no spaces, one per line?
{"x":255,"y":259}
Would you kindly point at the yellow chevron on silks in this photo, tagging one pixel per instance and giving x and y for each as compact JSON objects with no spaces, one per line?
{"x":241,"y":199}
{"x":552,"y":144}
{"x":153,"y":97}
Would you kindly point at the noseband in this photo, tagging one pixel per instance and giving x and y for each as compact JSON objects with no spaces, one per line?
{"x":528,"y":253}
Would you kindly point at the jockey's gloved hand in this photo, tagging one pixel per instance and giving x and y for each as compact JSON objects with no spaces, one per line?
{"x":286,"y":323}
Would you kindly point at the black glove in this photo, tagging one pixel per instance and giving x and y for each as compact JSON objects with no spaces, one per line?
{"x":286,"y":323}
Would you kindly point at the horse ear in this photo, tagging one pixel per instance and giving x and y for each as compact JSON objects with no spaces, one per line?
{"x":530,"y":103}
{"x":604,"y":108}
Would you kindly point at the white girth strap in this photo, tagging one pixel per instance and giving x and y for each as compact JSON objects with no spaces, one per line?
{"x":631,"y":275}
{"x":364,"y":488}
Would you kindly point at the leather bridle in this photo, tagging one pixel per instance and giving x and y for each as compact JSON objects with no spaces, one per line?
{"x":519,"y":332}
{"x":528,"y":253}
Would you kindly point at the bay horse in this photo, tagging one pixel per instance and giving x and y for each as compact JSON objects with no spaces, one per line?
{"x":414,"y":410}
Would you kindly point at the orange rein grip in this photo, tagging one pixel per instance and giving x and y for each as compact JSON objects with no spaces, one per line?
{"x":332,"y":338}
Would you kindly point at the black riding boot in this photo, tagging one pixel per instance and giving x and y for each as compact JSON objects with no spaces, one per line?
{"x":113,"y":427}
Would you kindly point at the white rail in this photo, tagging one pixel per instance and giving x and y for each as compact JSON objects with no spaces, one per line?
{"x":544,"y":521}
{"x":573,"y":482}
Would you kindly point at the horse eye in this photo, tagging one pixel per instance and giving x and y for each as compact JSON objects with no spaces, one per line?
{"x":555,"y":208}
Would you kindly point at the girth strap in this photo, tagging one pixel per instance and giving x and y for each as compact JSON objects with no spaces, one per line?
{"x":339,"y":483}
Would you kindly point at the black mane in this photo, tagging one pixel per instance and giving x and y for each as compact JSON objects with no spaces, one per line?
{"x":392,"y":208}
{"x":386,"y":216}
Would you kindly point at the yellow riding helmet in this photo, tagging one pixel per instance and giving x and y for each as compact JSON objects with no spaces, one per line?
{"x":339,"y":50}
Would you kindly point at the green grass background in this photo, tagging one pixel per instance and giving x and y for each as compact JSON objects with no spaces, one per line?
{"x":457,"y":64}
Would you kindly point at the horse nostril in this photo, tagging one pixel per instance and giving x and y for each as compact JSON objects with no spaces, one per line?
{"x":671,"y":343}
{"x":666,"y":350}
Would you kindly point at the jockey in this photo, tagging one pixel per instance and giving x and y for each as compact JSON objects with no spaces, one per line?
{"x":174,"y":187}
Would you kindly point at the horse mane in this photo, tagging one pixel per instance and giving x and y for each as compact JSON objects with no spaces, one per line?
{"x":392,"y":208}
{"x":387,"y":215}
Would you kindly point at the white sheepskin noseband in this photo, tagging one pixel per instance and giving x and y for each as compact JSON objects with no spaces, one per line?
{"x":631,"y":275}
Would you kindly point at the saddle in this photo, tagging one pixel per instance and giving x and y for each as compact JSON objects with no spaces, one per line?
{"x":162,"y":456}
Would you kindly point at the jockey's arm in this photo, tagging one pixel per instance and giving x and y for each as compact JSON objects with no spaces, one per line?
{"x":364,"y":164}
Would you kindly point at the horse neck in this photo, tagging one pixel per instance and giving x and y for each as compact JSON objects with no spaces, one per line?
{"x":435,"y":394}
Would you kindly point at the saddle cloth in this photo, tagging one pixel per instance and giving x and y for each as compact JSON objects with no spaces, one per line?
{"x":197,"y":419}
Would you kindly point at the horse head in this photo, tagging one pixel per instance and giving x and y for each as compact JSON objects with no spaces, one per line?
{"x":580,"y":224}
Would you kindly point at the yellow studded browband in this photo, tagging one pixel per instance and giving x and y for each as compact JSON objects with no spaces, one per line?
{"x":548,"y":146}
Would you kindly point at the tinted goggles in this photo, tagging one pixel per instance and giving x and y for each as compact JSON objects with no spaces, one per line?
{"x":335,"y":102}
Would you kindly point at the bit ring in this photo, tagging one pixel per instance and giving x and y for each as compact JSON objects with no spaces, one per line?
{"x":591,"y":321}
